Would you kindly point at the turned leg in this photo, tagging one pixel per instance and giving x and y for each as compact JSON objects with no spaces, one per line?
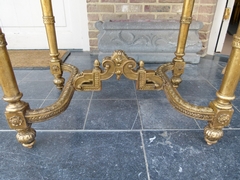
{"x":178,"y":61}
{"x":15,"y":110}
{"x":222,"y":104}
{"x":55,"y":63}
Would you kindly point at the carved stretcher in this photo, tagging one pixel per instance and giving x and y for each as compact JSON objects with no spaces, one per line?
{"x":20,"y":116}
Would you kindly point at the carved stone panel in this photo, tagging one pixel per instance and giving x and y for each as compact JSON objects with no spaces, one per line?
{"x":153,"y":41}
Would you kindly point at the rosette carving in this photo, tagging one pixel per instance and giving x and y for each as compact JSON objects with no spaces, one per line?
{"x":15,"y":121}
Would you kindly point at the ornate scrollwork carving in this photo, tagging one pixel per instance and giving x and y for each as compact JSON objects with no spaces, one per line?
{"x":119,"y":64}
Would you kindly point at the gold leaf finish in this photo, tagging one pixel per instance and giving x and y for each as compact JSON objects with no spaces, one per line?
{"x":119,"y":64}
{"x":20,"y":116}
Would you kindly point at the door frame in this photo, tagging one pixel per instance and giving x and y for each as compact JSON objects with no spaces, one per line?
{"x":216,"y":26}
{"x":219,"y":27}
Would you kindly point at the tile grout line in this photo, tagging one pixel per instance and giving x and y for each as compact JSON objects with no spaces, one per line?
{"x":26,"y":76}
{"x":46,"y":97}
{"x":197,"y":124}
{"x":145,"y":156}
{"x":134,"y":121}
{"x":140,"y":117}
{"x":119,"y":130}
{"x":85,"y":121}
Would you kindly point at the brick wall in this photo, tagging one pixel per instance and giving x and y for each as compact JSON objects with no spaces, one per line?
{"x":105,"y":10}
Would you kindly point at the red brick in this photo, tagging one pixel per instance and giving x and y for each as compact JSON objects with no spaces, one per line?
{"x":176,"y":8}
{"x":152,"y":8}
{"x":93,"y":17}
{"x":128,"y":8}
{"x":93,"y":42}
{"x":100,"y":8}
{"x":142,"y":16}
{"x":203,"y":35}
{"x":107,"y":17}
{"x":91,"y":26}
{"x":91,"y":1}
{"x":169,"y":16}
{"x":115,"y":1}
{"x":94,"y":49}
{"x":207,"y":9}
{"x":93,"y":34}
{"x":208,"y":1}
{"x":206,"y":27}
{"x":142,"y":1}
{"x":170,"y":1}
{"x":205,"y":18}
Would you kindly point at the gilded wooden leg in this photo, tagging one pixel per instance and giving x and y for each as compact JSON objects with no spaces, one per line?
{"x":15,"y":110}
{"x":55,"y":63}
{"x":178,"y":61}
{"x":222,"y":104}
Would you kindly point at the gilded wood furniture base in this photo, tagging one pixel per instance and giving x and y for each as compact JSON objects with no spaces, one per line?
{"x":20,"y":116}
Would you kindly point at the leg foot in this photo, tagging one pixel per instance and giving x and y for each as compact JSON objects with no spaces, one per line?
{"x":59,"y":82}
{"x":26,"y":137}
{"x":176,"y":81}
{"x":212,"y":135}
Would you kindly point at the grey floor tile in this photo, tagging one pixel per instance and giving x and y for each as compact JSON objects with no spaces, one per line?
{"x":236,"y":103}
{"x":196,"y":88}
{"x":3,"y":121}
{"x":55,"y":93}
{"x":113,"y":114}
{"x":150,"y":94}
{"x":71,"y":119}
{"x":39,"y":75}
{"x":88,"y":156}
{"x":191,"y":72}
{"x":211,"y":73}
{"x":35,"y":89}
{"x":184,"y":155}
{"x":21,"y":74}
{"x":107,"y":148}
{"x":116,"y":90}
{"x":158,"y":114}
{"x":83,"y":61}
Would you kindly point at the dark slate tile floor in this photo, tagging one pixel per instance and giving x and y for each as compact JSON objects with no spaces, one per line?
{"x":121,"y":133}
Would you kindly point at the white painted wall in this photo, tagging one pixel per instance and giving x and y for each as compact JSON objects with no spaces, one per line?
{"x":21,"y":21}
